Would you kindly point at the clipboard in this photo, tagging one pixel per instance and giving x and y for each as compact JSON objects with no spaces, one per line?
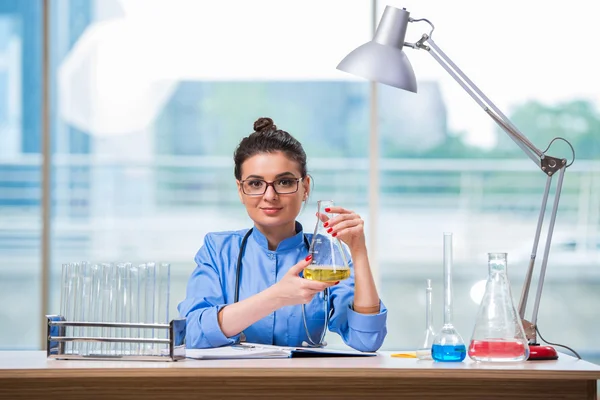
{"x":256,"y":351}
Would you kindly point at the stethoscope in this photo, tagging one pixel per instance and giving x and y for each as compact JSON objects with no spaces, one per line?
{"x":311,"y":342}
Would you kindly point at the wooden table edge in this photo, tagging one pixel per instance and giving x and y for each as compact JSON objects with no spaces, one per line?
{"x":182,"y":373}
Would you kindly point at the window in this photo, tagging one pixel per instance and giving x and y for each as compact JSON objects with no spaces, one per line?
{"x":20,"y":173}
{"x":144,"y":122}
{"x":446,"y":167}
{"x":147,"y":120}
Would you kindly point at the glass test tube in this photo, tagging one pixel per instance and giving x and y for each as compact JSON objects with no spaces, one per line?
{"x":66,"y":303}
{"x":107,"y":305}
{"x":120,"y":293}
{"x":163,"y":281}
{"x":75,"y":305}
{"x":95,"y":308}
{"x":121,"y":305}
{"x":134,"y":306}
{"x":149,"y":305}
{"x":84,"y":300}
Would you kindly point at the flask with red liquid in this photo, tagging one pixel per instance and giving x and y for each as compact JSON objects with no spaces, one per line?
{"x":498,"y":334}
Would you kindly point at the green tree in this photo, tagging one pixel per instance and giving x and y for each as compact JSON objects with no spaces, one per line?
{"x":577,"y":121}
{"x":453,"y":146}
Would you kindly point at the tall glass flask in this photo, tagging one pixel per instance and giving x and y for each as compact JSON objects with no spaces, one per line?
{"x":448,"y":345}
{"x":329,"y":263}
{"x":498,"y":334}
{"x":424,"y":352}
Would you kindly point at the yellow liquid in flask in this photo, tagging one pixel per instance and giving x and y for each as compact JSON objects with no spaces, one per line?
{"x":326,"y":273}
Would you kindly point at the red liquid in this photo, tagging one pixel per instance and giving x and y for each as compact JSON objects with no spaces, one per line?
{"x":496,"y":349}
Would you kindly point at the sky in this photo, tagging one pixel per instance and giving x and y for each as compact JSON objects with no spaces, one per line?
{"x":514,"y":51}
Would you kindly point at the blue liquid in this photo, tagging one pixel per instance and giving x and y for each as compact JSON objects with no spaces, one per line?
{"x":448,"y":352}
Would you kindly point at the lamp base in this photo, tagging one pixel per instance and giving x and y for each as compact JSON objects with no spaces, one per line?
{"x":537,"y":352}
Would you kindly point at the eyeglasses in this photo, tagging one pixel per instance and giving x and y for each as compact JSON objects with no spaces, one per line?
{"x":258,"y":187}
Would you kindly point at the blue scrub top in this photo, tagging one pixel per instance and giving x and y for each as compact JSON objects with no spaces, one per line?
{"x":212,"y":286}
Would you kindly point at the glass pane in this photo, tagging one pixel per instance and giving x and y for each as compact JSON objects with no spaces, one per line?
{"x":20,"y":172}
{"x":447,"y":167}
{"x":148,"y":119}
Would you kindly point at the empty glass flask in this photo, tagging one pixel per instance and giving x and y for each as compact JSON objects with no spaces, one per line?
{"x":329,"y":262}
{"x":498,"y":334}
{"x":424,"y":352}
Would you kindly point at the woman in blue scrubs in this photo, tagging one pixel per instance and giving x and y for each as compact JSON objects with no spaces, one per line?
{"x":273,"y":184}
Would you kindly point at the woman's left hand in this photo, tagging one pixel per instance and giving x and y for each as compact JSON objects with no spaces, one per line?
{"x":345,"y":225}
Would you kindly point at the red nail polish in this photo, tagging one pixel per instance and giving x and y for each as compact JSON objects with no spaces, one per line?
{"x":329,"y":230}
{"x":337,"y":282}
{"x":334,"y":234}
{"x":308,"y":257}
{"x":325,"y":224}
{"x":327,"y":209}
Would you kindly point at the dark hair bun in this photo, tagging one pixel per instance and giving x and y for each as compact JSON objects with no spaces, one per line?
{"x":264,"y":124}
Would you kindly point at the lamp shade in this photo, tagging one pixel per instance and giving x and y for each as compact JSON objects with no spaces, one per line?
{"x":382,"y":59}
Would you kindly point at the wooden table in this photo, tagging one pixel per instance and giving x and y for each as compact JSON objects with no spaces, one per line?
{"x":29,"y":375}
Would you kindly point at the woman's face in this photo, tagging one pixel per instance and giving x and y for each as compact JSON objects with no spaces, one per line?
{"x":272,"y":209}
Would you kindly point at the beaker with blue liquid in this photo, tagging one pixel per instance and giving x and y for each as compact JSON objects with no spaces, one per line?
{"x":448,"y":345}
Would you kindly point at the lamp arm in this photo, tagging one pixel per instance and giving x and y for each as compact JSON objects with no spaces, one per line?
{"x":484,"y":102}
{"x":549,"y":165}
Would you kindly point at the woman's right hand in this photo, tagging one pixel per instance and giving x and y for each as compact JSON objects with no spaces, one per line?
{"x":292,"y":289}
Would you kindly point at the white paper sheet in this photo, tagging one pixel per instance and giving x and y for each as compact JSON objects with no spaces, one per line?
{"x":255,"y":350}
{"x":239,"y":351}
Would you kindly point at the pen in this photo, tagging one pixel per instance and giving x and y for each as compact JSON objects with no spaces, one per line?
{"x":240,"y":346}
{"x":405,"y":355}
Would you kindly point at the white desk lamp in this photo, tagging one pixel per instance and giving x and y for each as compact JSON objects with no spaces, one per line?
{"x":383,"y":60}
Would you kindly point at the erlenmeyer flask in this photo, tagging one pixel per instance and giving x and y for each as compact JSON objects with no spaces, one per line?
{"x":498,"y":334}
{"x":329,"y":262}
{"x":448,"y":345}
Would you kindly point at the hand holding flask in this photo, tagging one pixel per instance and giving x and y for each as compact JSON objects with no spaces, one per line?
{"x":329,"y":263}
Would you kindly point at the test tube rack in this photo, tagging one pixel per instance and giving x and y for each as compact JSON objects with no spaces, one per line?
{"x":173,"y":335}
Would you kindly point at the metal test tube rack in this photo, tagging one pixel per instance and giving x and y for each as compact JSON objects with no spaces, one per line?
{"x":57,"y":340}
